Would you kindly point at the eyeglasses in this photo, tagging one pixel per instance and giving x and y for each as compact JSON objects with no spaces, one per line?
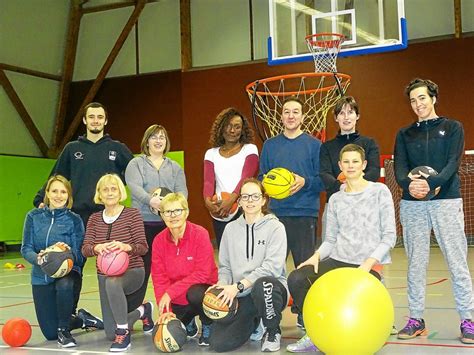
{"x":158,"y":138}
{"x":253,"y":197}
{"x":169,"y":213}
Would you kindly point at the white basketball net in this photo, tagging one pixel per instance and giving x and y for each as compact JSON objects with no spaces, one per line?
{"x":318,"y":91}
{"x":325,"y":48}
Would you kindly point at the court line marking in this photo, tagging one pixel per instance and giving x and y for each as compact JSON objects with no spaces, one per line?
{"x":431,"y":345}
{"x":428,"y":284}
{"x":72,"y":351}
{"x":29,"y":302}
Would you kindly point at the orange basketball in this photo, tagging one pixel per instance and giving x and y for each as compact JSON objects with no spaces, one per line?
{"x":16,"y":332}
{"x":212,"y":307}
{"x":225,"y":196}
{"x":170,"y":336}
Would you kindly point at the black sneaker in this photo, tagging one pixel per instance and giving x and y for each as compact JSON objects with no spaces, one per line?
{"x":65,"y":339}
{"x":467,"y":331}
{"x":122,"y":341}
{"x":147,"y":318}
{"x":89,"y":321}
{"x":300,"y":322}
{"x":192,"y":329}
{"x":414,"y":328}
{"x":205,"y":334}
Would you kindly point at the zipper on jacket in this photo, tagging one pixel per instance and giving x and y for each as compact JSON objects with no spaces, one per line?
{"x":109,"y":231}
{"x":47,"y":239}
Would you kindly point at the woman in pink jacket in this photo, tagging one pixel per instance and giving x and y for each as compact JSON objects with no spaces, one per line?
{"x":182,"y":267}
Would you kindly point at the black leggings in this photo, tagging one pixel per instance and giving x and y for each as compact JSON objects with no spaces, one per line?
{"x":186,"y":313}
{"x":300,"y":280}
{"x":266,"y":301}
{"x":54,"y":305}
{"x":151,"y":230}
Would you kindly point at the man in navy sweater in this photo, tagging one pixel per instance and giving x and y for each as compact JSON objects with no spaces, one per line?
{"x":298,"y":152}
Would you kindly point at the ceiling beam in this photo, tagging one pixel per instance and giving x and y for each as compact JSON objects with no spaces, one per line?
{"x":104,"y":70}
{"x":24,"y":115}
{"x":68,"y":68}
{"x":31,"y":72}
{"x":457,"y":19}
{"x":185,"y":23}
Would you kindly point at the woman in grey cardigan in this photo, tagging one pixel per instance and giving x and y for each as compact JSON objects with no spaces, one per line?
{"x":149,"y":176}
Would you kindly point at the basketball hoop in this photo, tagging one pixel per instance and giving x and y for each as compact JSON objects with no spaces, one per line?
{"x":325,"y":48}
{"x":318,"y":91}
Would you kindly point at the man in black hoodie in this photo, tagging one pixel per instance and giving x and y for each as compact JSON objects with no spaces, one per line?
{"x":84,"y":162}
{"x":437,"y":142}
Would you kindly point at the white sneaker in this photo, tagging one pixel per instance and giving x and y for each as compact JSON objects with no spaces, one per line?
{"x":304,"y":345}
{"x":257,"y":334}
{"x":271,"y":340}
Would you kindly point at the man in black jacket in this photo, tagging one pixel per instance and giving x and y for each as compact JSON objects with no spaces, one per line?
{"x":83,"y":163}
{"x":437,"y":142}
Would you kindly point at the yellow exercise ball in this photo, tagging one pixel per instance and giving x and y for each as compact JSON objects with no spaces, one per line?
{"x":348,"y":311}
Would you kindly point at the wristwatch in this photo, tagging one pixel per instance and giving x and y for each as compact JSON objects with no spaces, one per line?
{"x":240,"y":287}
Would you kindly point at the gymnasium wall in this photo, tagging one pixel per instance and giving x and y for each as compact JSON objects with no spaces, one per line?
{"x":187,"y":103}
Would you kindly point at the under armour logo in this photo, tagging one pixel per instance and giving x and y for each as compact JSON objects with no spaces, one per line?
{"x":261,"y":242}
{"x":442,"y":133}
{"x":78,"y":155}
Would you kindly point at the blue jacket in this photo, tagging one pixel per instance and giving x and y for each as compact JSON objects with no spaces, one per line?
{"x":438,"y":143}
{"x":45,"y":227}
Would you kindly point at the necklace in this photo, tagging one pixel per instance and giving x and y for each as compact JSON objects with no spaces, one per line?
{"x":228,"y":152}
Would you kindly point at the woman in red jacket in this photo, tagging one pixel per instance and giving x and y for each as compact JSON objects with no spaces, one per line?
{"x":182,"y":266}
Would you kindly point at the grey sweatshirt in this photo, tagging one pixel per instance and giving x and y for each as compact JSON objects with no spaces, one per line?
{"x":143,"y":178}
{"x":252,"y":251}
{"x":360,"y":225}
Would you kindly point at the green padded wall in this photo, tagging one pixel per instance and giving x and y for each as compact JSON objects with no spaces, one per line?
{"x":20,"y":180}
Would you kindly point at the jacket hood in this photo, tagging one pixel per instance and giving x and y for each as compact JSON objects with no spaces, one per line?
{"x":260,"y":223}
{"x":84,"y":139}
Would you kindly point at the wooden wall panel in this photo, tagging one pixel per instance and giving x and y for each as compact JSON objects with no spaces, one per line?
{"x":187,"y":103}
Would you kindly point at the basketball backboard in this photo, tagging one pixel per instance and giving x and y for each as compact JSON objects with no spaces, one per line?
{"x":369,"y":26}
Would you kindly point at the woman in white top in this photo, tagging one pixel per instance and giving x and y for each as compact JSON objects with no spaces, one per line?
{"x":232,"y":158}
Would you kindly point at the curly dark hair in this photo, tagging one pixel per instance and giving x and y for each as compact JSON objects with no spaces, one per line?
{"x":222,"y":120}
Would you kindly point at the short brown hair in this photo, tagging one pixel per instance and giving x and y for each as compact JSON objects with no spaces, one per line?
{"x":418,"y":83}
{"x":352,"y":148}
{"x":346,"y":100}
{"x":66,"y":184}
{"x":94,"y":105}
{"x":153,"y":129}
{"x":265,"y":209}
{"x":220,"y":123}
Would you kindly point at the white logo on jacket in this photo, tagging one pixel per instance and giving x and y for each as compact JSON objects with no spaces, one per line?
{"x":112,"y":155}
{"x":79,"y":155}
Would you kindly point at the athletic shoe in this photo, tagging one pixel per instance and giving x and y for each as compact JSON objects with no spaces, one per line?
{"x":122,"y":341}
{"x":205,"y":334}
{"x":414,"y":328}
{"x":394,"y":330}
{"x":192,"y":329}
{"x":89,"y":321}
{"x":65,"y":339}
{"x":467,"y":331}
{"x":257,"y":334}
{"x":147,"y":318}
{"x":271,"y":340}
{"x":300,"y":322}
{"x":304,"y":345}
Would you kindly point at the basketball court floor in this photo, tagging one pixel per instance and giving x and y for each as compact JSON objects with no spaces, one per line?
{"x":441,"y":317}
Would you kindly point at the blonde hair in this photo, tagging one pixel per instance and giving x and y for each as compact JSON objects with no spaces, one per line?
{"x":107,"y":178}
{"x":66,"y":184}
{"x":154,"y":129}
{"x":174,"y":197}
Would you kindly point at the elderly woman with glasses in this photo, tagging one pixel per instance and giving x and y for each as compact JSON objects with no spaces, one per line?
{"x":182,"y":267}
{"x":252,"y":261}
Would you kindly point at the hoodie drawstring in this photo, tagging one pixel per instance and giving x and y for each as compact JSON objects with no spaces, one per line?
{"x":253,"y":242}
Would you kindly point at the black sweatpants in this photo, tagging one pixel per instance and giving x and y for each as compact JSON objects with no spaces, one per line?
{"x":300,"y":237}
{"x":151,"y":230}
{"x":266,"y":301}
{"x":300,"y":280}
{"x":195,"y":296}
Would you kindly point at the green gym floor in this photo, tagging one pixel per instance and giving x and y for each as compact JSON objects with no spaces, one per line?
{"x":441,"y":317}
